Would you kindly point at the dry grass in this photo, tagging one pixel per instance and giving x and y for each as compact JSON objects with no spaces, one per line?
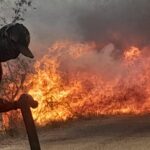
{"x":111,"y":133}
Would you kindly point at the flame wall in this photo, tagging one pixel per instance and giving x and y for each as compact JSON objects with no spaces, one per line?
{"x":75,"y":80}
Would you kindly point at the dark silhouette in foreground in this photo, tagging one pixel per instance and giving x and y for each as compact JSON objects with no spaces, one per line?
{"x":15,"y":39}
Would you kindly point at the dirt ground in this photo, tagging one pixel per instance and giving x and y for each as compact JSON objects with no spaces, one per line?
{"x":107,"y":133}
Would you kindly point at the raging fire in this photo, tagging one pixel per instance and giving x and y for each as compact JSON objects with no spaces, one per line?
{"x":75,"y":79}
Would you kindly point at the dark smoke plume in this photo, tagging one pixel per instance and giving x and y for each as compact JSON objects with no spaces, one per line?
{"x":122,"y":22}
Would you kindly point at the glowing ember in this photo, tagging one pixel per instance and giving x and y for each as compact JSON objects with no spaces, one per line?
{"x":74,"y":80}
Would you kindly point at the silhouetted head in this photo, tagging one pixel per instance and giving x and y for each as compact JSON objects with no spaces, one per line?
{"x":14,"y":39}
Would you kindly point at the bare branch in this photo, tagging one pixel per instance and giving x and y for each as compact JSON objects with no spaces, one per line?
{"x":18,"y":9}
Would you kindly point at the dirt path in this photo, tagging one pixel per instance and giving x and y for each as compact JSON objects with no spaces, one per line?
{"x":113,"y":133}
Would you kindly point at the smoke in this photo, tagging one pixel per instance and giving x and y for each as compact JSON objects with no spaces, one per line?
{"x":121,"y":22}
{"x":77,"y":60}
{"x":89,"y":69}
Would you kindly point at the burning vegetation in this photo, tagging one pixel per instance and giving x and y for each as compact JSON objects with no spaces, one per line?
{"x":76,"y":79}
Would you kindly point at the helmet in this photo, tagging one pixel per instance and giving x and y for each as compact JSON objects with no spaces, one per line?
{"x":14,"y":39}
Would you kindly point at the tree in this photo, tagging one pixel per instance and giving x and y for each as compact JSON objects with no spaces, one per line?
{"x":13,"y":11}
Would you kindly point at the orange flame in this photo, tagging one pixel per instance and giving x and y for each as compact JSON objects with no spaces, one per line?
{"x":132,"y":53}
{"x":66,"y":84}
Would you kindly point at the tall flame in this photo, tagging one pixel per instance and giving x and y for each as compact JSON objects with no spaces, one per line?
{"x":75,"y":80}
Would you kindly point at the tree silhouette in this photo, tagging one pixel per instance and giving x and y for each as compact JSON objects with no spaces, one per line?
{"x":13,"y":11}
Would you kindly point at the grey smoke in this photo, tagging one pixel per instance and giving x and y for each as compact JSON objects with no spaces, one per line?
{"x":121,"y":22}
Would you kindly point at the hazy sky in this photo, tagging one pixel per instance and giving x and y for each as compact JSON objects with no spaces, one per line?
{"x":104,"y":21}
